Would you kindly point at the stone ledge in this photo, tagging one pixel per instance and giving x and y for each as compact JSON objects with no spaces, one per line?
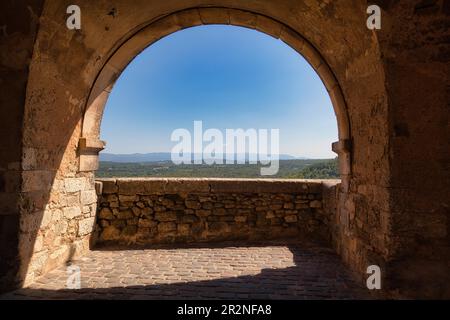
{"x":143,"y":186}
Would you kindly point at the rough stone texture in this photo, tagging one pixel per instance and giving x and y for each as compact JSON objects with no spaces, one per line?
{"x":416,"y":46}
{"x":16,"y":49}
{"x":59,"y":230}
{"x":205,"y":210}
{"x":392,"y":210}
{"x":226,"y":271}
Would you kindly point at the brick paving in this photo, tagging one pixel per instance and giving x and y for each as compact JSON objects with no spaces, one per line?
{"x":227,"y":271}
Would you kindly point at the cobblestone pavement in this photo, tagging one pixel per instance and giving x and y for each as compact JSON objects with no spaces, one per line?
{"x":263,"y":271}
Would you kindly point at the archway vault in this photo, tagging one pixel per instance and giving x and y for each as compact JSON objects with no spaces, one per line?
{"x":137,"y":40}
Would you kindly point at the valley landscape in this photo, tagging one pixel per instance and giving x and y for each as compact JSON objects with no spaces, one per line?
{"x":159,"y":165}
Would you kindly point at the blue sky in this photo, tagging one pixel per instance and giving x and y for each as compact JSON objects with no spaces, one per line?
{"x":227,"y":77}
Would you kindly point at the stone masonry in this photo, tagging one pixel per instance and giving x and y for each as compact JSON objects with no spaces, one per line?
{"x":151,"y":211}
{"x":63,"y":226}
{"x":388,"y":87}
{"x":263,"y":270}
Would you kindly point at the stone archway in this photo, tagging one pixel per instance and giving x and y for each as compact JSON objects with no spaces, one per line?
{"x":392,"y":213}
{"x":72,"y":72}
{"x":130,"y":47}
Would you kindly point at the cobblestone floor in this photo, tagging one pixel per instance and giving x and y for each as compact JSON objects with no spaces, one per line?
{"x":263,"y":271}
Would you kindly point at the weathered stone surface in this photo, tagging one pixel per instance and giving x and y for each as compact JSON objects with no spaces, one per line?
{"x":88,"y":197}
{"x":291,"y":218}
{"x":183,"y":229}
{"x":71,"y":212}
{"x":193,"y":204}
{"x":109,"y":186}
{"x":129,"y":231}
{"x":166,"y":216}
{"x":127,"y":198}
{"x":74,"y":184}
{"x":125,"y":214}
{"x":30,"y":222}
{"x":238,"y":267}
{"x":85,"y":226}
{"x":389,"y":89}
{"x":207,"y":215}
{"x":106,"y":213}
{"x":315,"y":204}
{"x":110,"y":233}
{"x":146,"y":223}
{"x":164,"y":227}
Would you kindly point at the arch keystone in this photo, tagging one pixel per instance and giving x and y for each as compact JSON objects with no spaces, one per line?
{"x":214,"y":15}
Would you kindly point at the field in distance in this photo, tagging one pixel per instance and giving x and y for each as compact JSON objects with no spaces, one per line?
{"x":289,"y":169}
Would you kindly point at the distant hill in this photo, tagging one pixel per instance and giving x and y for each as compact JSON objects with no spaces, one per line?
{"x":135,"y":157}
{"x":157,"y":157}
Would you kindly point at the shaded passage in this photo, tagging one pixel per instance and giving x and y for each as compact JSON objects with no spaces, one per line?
{"x":272,"y":270}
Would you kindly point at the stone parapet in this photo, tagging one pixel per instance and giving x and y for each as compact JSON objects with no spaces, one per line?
{"x":154,"y":210}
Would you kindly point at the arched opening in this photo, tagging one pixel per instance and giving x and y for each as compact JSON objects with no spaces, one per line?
{"x":59,"y":79}
{"x":227,"y":78}
{"x":90,"y":143}
{"x":75,"y":166}
{"x":175,"y":211}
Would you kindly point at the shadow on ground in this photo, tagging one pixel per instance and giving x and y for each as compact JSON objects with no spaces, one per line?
{"x":317,"y":274}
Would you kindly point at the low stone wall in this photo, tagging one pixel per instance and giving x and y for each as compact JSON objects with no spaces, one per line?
{"x":157,"y":211}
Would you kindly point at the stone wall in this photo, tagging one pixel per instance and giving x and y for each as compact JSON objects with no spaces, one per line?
{"x":61,"y":230}
{"x":416,"y":47}
{"x":153,"y":211}
{"x":393,"y":213}
{"x":65,"y":68}
{"x":19,"y":22}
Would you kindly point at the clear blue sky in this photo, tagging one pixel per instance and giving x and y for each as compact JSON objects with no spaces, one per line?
{"x":228,"y":77}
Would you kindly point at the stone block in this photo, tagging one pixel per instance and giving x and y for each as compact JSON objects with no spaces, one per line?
{"x":110,"y":233}
{"x":214,"y":16}
{"x":164,"y":227}
{"x":166,"y":216}
{"x":203,"y":213}
{"x":119,"y":224}
{"x":242,"y":18}
{"x":193,"y":204}
{"x":109,"y":186}
{"x":127,"y":198}
{"x":106,"y":213}
{"x":268,"y":26}
{"x":291,"y":218}
{"x":88,"y":197}
{"x":125,"y":214}
{"x":219,"y":212}
{"x":190,"y":218}
{"x":30,"y":222}
{"x":32,"y":181}
{"x":316,"y":204}
{"x":146,"y":223}
{"x":86,"y":226}
{"x":289,"y":205}
{"x":74,"y":184}
{"x":130,"y":230}
{"x":141,"y":186}
{"x":71,"y":212}
{"x":218,"y":227}
{"x":183,"y":229}
{"x":270,"y":215}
